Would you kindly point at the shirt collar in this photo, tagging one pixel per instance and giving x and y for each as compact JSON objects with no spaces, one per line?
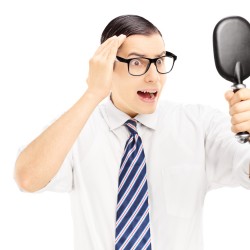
{"x":116,"y":118}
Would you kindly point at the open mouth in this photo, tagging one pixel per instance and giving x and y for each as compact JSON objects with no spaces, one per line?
{"x":147,"y":94}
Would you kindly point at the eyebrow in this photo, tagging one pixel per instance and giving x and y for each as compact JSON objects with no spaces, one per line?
{"x":142,"y":55}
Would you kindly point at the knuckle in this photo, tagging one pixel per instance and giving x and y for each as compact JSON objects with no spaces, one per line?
{"x":240,"y":95}
{"x":91,"y":60}
{"x":237,"y":128}
{"x":243,"y":94}
{"x":234,"y":129}
{"x":236,"y":109}
{"x":235,"y":119}
{"x":94,"y":60}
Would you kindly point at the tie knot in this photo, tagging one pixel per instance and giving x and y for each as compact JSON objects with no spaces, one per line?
{"x":131,"y":125}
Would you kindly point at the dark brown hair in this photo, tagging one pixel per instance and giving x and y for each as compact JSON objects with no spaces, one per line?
{"x":128,"y":25}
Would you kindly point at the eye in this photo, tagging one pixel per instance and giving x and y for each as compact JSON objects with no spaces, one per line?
{"x":160,"y":61}
{"x":135,"y":62}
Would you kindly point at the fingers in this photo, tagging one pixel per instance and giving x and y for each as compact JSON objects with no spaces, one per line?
{"x":240,"y":117}
{"x":240,"y":127}
{"x":228,"y":95}
{"x":239,"y":109}
{"x":239,"y":101}
{"x":120,"y":39}
{"x":99,"y":79}
{"x":104,"y":45}
{"x":110,"y":46}
{"x":241,"y":95}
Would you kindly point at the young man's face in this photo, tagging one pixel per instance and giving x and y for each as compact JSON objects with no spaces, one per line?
{"x":126,"y":88}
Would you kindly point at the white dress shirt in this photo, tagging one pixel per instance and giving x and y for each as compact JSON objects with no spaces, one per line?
{"x":189,"y":150}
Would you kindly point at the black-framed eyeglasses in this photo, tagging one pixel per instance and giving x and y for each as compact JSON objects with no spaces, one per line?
{"x":139,"y":66}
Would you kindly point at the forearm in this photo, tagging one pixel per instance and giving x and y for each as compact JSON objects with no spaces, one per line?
{"x":41,"y":159}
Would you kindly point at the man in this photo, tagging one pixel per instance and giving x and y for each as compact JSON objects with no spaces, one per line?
{"x":137,"y":170}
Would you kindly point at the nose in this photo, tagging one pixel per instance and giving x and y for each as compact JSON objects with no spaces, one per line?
{"x":152,"y":74}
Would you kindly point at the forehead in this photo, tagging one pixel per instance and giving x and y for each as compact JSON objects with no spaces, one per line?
{"x":144,"y":45}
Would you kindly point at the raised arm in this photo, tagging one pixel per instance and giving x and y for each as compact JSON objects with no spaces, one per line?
{"x":38,"y":163}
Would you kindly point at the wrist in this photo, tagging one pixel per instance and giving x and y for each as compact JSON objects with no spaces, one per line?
{"x":97,"y":96}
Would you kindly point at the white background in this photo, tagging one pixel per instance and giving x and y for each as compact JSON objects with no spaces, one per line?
{"x":44,"y":53}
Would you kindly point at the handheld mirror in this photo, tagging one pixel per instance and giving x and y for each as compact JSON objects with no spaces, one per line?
{"x":231,"y":43}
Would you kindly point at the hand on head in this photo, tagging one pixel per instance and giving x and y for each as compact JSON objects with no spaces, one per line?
{"x":101,"y":66}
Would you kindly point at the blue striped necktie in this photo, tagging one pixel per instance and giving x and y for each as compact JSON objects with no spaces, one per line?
{"x":132,"y":212}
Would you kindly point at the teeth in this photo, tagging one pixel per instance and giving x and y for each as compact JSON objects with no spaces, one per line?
{"x":150,"y":91}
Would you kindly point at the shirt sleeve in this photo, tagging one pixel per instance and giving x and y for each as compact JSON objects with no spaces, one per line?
{"x":227,"y":161}
{"x":63,"y":180}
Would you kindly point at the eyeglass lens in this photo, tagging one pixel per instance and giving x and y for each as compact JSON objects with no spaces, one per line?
{"x":139,"y":66}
